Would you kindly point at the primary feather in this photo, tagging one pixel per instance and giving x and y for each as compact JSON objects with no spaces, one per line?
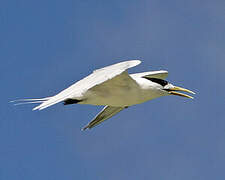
{"x":97,"y":77}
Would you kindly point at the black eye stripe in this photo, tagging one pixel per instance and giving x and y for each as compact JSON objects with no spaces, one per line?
{"x":156,"y":80}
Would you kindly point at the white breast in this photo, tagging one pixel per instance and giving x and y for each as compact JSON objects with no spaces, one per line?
{"x":124,"y":96}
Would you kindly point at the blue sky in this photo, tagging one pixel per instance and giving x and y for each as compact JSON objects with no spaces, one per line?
{"x":48,"y":45}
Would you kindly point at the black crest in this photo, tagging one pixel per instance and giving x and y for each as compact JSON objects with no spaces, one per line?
{"x":159,"y":81}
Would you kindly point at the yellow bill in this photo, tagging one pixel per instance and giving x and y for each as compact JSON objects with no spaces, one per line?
{"x":173,"y":91}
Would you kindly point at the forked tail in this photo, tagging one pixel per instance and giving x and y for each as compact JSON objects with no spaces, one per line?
{"x":30,"y":101}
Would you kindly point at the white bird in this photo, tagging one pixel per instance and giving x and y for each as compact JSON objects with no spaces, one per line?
{"x":114,"y":88}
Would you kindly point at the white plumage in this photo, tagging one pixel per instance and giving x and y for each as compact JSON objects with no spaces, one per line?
{"x":114,"y":88}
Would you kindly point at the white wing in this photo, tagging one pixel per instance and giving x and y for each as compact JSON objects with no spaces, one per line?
{"x":106,"y":113}
{"x":97,"y":77}
{"x":162,"y":74}
{"x":111,"y":91}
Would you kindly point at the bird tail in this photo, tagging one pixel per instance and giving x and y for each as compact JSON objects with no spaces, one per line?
{"x":46,"y":102}
{"x":30,"y":101}
{"x":49,"y":102}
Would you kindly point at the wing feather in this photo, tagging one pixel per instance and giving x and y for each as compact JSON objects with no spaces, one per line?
{"x":97,"y":77}
{"x":106,"y":113}
{"x":162,"y":74}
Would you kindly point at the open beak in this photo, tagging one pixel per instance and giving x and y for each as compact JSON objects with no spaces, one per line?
{"x":173,"y":91}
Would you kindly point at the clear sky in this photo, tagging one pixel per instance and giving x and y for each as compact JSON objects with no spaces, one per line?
{"x":47,"y":45}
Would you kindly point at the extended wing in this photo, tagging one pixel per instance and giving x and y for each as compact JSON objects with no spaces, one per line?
{"x":162,"y":74}
{"x":97,"y":77}
{"x":106,"y":113}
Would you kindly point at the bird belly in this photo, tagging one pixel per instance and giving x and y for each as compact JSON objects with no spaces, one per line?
{"x":120,"y":98}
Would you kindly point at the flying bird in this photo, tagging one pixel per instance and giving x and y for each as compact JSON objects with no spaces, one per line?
{"x":113,"y":88}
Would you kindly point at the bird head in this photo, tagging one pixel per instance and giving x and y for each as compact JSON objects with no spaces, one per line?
{"x":169,"y":89}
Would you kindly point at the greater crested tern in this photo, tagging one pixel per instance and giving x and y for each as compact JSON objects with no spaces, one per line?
{"x":113,"y":88}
